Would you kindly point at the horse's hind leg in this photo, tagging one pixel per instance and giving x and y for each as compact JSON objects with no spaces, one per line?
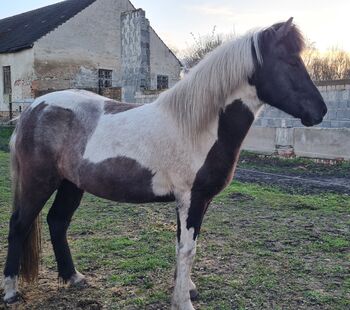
{"x":67,"y":200}
{"x":24,"y":235}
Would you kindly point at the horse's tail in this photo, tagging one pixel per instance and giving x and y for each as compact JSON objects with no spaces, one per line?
{"x":29,"y":266}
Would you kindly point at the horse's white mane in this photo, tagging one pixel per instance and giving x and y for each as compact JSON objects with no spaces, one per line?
{"x":197,"y":99}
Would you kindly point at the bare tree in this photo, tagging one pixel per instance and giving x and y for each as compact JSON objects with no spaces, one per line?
{"x":202,"y":45}
{"x":332,"y":65}
{"x":309,"y":53}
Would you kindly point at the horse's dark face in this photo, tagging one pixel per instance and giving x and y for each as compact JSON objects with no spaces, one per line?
{"x":282,"y":80}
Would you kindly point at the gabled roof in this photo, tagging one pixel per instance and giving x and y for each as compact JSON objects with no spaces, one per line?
{"x":21,"y":31}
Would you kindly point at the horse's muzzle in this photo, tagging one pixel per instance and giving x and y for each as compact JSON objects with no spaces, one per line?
{"x":314,"y":118}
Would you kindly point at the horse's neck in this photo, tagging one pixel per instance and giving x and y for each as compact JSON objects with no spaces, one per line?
{"x":234,"y":122}
{"x":219,"y":165}
{"x":197,"y":99}
{"x":248,"y":95}
{"x":220,"y":144}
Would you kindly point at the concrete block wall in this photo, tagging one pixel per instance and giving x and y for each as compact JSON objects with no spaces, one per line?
{"x":333,"y":143}
{"x":329,"y":143}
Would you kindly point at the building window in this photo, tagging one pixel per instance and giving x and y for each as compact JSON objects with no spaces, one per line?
{"x":7,"y":80}
{"x":143,"y":84}
{"x":104,"y":78}
{"x":162,"y":82}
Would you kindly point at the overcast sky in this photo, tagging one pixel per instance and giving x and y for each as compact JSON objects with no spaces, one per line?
{"x":325,"y":22}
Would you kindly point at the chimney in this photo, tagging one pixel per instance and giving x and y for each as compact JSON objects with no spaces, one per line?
{"x":135,"y":39}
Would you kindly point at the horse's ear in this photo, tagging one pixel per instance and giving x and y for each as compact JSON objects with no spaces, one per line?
{"x":283,"y":31}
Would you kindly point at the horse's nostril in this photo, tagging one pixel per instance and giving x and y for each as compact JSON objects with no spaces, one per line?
{"x":325,"y":110}
{"x":324,"y":107}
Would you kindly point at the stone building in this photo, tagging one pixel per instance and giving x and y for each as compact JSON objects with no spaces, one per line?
{"x":106,"y":46}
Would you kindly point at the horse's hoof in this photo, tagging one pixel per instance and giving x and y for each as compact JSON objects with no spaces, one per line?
{"x":194,"y":295}
{"x":83,"y":283}
{"x":182,"y":306}
{"x":78,"y":280}
{"x":10,"y":300}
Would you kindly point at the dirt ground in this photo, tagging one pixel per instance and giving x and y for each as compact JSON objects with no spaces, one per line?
{"x":302,"y":176}
{"x":310,"y":184}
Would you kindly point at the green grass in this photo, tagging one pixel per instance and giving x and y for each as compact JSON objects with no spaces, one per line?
{"x":297,"y":165}
{"x":260,"y":248}
{"x":5,"y":134}
{"x":275,"y":197}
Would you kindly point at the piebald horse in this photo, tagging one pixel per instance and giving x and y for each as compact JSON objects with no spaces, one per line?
{"x":182,"y":147}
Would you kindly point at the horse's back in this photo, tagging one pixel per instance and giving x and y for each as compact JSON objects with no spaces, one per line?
{"x":56,"y":114}
{"x":50,"y":118}
{"x":82,"y":101}
{"x":70,"y":98}
{"x":58,"y":125}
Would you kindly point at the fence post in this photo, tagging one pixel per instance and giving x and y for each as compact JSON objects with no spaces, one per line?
{"x":285,"y":141}
{"x":10,"y":109}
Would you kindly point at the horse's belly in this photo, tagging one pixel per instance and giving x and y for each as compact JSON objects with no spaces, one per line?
{"x":120,"y":179}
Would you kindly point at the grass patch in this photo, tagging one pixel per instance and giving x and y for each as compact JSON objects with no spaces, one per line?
{"x":297,"y":166}
{"x":274,"y":197}
{"x":5,"y":134}
{"x":333,"y":243}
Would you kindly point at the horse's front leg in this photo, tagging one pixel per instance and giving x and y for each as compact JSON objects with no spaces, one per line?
{"x":192,"y":287}
{"x":188,"y":227}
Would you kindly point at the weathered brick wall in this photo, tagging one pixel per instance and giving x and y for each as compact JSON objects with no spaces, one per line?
{"x":114,"y":93}
{"x":70,"y":56}
{"x":337,"y":97}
